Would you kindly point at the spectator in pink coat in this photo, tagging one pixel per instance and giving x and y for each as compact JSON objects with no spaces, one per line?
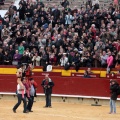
{"x":109,"y":62}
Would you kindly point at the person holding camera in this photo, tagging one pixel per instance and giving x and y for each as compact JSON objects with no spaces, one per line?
{"x":114,"y":88}
{"x":47,"y":85}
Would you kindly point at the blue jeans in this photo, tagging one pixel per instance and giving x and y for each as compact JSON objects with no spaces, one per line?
{"x":19,"y":102}
{"x":48,"y":100}
{"x":112,"y":106}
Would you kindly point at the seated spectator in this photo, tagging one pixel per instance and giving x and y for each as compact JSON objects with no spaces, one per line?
{"x":103,"y":59}
{"x":5,"y":32}
{"x":52,"y":58}
{"x":63,"y":60}
{"x":44,"y":60}
{"x":118,"y":61}
{"x":109,"y":62}
{"x":26,"y":58}
{"x":118,"y":72}
{"x":76,"y":61}
{"x":86,"y":75}
{"x":89,"y":71}
{"x":16,"y":58}
{"x":7,"y":59}
{"x":112,"y":74}
{"x":68,"y":19}
{"x":21,"y":49}
{"x":36,"y":59}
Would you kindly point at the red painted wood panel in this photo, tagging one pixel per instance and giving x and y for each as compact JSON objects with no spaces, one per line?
{"x":81,"y":75}
{"x":63,"y":85}
{"x":116,"y":76}
{"x":47,"y":73}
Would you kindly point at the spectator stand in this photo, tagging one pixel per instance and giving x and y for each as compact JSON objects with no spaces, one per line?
{"x":41,"y":33}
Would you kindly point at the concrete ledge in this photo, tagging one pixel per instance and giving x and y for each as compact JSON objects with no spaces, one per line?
{"x":62,"y":95}
{"x":91,"y":100}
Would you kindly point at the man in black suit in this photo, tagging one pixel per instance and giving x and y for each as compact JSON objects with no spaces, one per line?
{"x":47,"y":85}
{"x":56,"y":14}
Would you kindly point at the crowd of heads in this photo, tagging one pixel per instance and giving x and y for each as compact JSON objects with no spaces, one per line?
{"x":42,"y":35}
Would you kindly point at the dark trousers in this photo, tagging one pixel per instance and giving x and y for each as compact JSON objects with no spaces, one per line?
{"x":19,"y":102}
{"x":48,"y":99}
{"x":30,"y":103}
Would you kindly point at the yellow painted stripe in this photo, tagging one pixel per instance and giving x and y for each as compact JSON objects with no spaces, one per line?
{"x":66,"y":73}
{"x":56,"y":70}
{"x":103,"y":74}
{"x":37,"y":70}
{"x":63,"y":72}
{"x":96,"y":71}
{"x":8,"y":70}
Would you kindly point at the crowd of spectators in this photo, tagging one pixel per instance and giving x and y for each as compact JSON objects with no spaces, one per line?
{"x":47,"y":35}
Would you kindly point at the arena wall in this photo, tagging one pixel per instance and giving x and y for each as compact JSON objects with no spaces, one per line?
{"x":64,"y":85}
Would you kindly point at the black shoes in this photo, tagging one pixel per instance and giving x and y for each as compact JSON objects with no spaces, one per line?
{"x":25,"y":112}
{"x":47,"y":106}
{"x":14,"y":110}
{"x":50,"y":106}
{"x":30,"y":111}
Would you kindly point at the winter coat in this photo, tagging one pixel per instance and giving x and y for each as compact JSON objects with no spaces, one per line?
{"x":113,"y":89}
{"x":46,"y":89}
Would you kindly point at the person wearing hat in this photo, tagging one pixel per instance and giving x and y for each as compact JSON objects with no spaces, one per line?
{"x":47,"y":85}
{"x":113,"y":87}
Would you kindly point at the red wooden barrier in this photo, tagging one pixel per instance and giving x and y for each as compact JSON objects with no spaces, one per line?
{"x":63,"y":85}
{"x":47,"y":73}
{"x":116,"y":76}
{"x":81,"y":75}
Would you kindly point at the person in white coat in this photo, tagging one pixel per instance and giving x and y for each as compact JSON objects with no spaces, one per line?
{"x":68,"y":19}
{"x":63,"y":60}
{"x":36,"y":60}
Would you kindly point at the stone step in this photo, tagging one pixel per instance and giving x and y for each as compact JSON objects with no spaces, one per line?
{"x":77,"y":3}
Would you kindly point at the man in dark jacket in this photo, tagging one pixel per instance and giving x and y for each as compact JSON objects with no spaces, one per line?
{"x":47,"y":85}
{"x":114,"y":88}
{"x":56,"y":14}
{"x":65,"y":3}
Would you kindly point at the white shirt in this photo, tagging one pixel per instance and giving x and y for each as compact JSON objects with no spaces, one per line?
{"x":20,"y":91}
{"x":32,"y":90}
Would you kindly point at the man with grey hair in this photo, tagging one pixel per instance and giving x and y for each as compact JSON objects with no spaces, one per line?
{"x":47,"y":85}
{"x":103,"y":59}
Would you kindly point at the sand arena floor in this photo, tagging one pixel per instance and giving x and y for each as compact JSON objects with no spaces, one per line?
{"x":60,"y":111}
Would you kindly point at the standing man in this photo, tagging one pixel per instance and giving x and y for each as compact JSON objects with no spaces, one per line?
{"x":47,"y":85}
{"x":33,"y":88}
{"x":20,"y":97}
{"x":114,"y":89}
